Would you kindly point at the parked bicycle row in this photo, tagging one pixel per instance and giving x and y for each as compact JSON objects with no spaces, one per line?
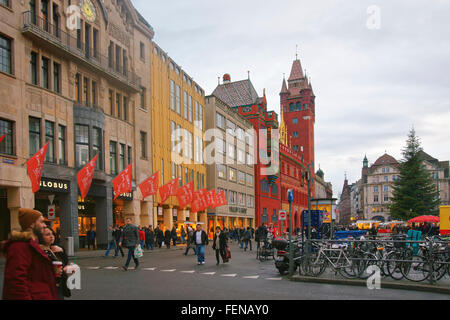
{"x":400,"y":257}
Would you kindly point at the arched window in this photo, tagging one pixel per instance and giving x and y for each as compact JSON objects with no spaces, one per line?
{"x":299,"y":106}
{"x":291,"y":107}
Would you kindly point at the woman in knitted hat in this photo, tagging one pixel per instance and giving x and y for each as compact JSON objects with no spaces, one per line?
{"x":29,"y":272}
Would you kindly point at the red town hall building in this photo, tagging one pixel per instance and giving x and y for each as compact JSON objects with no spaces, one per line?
{"x":295,"y":148}
{"x":242,"y":96}
{"x":297,"y":103}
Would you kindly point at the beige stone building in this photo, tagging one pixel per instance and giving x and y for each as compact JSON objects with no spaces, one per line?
{"x":374,"y":190}
{"x":85,"y":88}
{"x":232,"y":173}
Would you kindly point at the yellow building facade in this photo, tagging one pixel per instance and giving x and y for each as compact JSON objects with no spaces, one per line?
{"x":178,"y":103}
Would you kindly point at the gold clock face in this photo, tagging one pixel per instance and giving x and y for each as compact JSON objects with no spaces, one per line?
{"x":89,"y":11}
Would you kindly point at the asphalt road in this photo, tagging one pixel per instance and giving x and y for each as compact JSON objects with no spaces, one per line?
{"x":169,"y":275}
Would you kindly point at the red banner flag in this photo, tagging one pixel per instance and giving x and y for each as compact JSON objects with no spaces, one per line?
{"x":150,"y":186}
{"x":84,"y":177}
{"x":169,"y":189}
{"x":211,"y":198}
{"x":199,"y":201}
{"x":221,"y":199}
{"x":123,"y":182}
{"x":35,"y":166}
{"x":2,"y":137}
{"x":185,"y":195}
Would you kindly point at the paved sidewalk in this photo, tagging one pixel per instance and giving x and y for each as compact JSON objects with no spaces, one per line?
{"x":442,"y":286}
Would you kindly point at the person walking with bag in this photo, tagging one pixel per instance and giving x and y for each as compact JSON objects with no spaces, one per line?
{"x":29,"y":273}
{"x":130,"y":238}
{"x":220,"y":245}
{"x":201,"y":241}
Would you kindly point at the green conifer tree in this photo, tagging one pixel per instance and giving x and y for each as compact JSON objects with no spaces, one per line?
{"x":414,"y":193}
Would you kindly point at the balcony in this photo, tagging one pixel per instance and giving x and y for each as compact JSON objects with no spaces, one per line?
{"x":62,"y":42}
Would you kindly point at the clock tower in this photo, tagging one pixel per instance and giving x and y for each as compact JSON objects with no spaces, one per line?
{"x":297,"y":102}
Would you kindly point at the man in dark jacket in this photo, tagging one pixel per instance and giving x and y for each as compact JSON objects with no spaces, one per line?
{"x":247,"y":237}
{"x":200,"y":239}
{"x":159,"y":236}
{"x":29,"y":273}
{"x":130,"y":239}
{"x":167,"y":238}
{"x":174,"y":236}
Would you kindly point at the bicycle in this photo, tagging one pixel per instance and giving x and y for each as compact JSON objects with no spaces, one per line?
{"x":265,"y":251}
{"x":328,"y":255}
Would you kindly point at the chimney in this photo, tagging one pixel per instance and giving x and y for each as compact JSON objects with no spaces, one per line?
{"x":226,"y":78}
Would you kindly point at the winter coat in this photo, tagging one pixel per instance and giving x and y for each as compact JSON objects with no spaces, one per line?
{"x":204,"y":238}
{"x":167,"y":236}
{"x":130,"y":235}
{"x":222,"y":243}
{"x":29,"y":273}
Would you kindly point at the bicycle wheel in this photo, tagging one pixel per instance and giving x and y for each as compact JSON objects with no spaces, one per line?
{"x":417,"y":270}
{"x":350,"y":271}
{"x":394,"y":268}
{"x":315,"y":266}
{"x":369,"y":259}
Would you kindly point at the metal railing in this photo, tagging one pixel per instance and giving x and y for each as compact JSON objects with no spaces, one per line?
{"x":424,"y":260}
{"x":75,"y":46}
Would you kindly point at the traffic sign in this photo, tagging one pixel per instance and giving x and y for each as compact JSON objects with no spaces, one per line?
{"x":51,"y":212}
{"x":283,"y":215}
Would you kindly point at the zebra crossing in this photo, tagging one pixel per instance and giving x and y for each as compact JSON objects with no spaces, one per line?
{"x":156,"y":269}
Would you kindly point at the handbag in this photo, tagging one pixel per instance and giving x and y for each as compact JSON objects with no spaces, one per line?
{"x":227,"y":249}
{"x":138,"y":252}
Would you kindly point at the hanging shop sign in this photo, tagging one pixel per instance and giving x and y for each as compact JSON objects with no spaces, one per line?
{"x":55,"y":185}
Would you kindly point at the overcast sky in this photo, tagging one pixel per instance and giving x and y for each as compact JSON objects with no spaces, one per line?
{"x":373,"y":78}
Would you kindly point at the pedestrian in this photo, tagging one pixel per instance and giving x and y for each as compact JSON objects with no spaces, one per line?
{"x":174,"y":236}
{"x":130,"y":239}
{"x":190,"y":241}
{"x":117,"y":235}
{"x":247,"y":239}
{"x":142,"y":238}
{"x":220,"y":245}
{"x":56,"y":254}
{"x":91,"y":238}
{"x":29,"y":273}
{"x":167,"y":238}
{"x":159,"y":236}
{"x":241,"y":238}
{"x":200,"y":239}
{"x":183,"y":235}
{"x":111,"y":242}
